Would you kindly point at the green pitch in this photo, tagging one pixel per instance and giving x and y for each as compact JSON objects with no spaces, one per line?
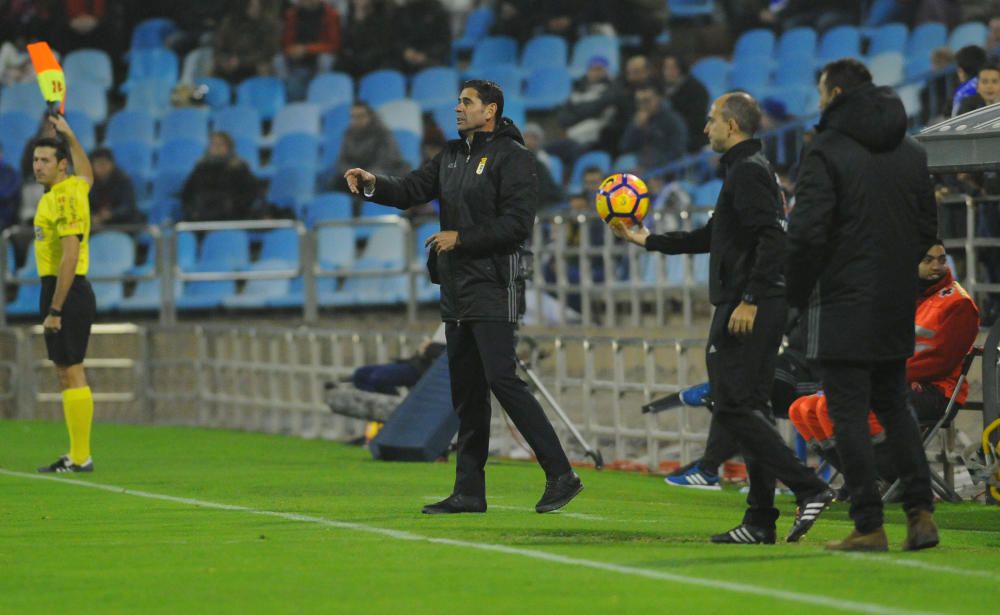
{"x":201,"y":521}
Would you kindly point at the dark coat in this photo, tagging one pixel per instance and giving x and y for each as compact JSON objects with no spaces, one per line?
{"x":864,"y":217}
{"x":489,"y":194}
{"x":745,"y":236}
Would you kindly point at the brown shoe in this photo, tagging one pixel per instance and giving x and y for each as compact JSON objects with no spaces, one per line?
{"x":872,"y":541}
{"x":921,"y":533}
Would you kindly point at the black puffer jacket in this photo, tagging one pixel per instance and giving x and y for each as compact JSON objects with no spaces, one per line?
{"x":864,"y":217}
{"x":488,"y":193}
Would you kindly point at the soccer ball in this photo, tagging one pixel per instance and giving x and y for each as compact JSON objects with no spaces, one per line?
{"x":624,"y":197}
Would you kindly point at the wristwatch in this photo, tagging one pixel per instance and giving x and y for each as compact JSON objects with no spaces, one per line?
{"x":55,"y":312}
{"x":749,"y":298}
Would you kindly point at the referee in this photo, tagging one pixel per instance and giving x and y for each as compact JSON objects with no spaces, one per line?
{"x":68,"y":306}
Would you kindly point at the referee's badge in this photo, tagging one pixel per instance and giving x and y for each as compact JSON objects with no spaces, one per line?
{"x":482,"y":165}
{"x":39,"y":234}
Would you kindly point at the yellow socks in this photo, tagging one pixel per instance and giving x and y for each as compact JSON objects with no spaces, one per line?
{"x":78,"y":406}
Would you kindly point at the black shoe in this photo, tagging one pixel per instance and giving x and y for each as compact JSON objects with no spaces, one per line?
{"x":456,"y":503}
{"x":744,"y":534}
{"x":559,"y":491}
{"x":808,"y":511}
{"x":63,"y":464}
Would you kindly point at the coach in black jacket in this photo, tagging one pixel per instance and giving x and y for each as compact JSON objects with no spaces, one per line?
{"x":746,"y":241}
{"x":488,"y":192}
{"x":864,"y":217}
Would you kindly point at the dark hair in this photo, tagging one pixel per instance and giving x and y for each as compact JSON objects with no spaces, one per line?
{"x":61,"y":152}
{"x":742,"y":108}
{"x":682,"y":64}
{"x":992,"y":64}
{"x":102,"y":152}
{"x":846,"y":74}
{"x":971,"y":59}
{"x":489,"y":92}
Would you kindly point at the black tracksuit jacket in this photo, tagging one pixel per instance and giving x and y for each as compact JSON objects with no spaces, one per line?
{"x":745,"y":235}
{"x":488,"y":192}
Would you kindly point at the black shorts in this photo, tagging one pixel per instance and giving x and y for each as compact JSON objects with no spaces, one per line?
{"x":69,"y":345}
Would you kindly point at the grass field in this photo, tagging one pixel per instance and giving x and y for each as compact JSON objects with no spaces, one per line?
{"x":179,"y":520}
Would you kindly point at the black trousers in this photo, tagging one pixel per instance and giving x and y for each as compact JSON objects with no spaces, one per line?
{"x":741,"y":371}
{"x":481,"y":360}
{"x":852,"y":388}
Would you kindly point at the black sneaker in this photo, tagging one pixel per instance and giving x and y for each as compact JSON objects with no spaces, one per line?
{"x":63,"y":464}
{"x":744,"y":534}
{"x":559,"y":491}
{"x":808,"y":511}
{"x":456,"y":503}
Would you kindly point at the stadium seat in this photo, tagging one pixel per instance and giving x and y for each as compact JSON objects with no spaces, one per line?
{"x":257,"y":294}
{"x":547,"y":88}
{"x":592,"y":45}
{"x":925,"y":38}
{"x":218,"y":94}
{"x":83,"y":127}
{"x":91,"y":99}
{"x":330,"y":151}
{"x":330,"y":89}
{"x":111,"y":253}
{"x":247,"y":150}
{"x":750,"y":76}
{"x":205,"y":295}
{"x":90,"y":66}
{"x":423,"y":233}
{"x":687,"y":9}
{"x":136,"y":159}
{"x":151,"y":33}
{"x":153,"y":63}
{"x":151,"y":96}
{"x":594,"y":158}
{"x":328,"y":206}
{"x":27,"y":300}
{"x":265,"y":94}
{"x":795,"y":71}
{"x":409,"y":146}
{"x":168,"y":184}
{"x":402,"y":114}
{"x":514,"y":108}
{"x":335,"y":247}
{"x":624,"y":163}
{"x":295,"y":117}
{"x":796,"y":43}
{"x":839,"y":42}
{"x":889,"y":37}
{"x":180,"y":155}
{"x":164,"y":211}
{"x":555,"y":166}
{"x":444,"y":117}
{"x":491,"y":51}
{"x":292,"y":185}
{"x":279,"y":245}
{"x":795,"y":99}
{"x":130,"y":126}
{"x":713,"y":73}
{"x":887,"y":68}
{"x":969,"y":33}
{"x":296,"y":149}
{"x":434,"y":86}
{"x":24,"y":97}
{"x":185,"y":123}
{"x":477,"y":26}
{"x":545,"y":50}
{"x":384,"y":250}
{"x":381,"y":86}
{"x":146,"y":297}
{"x":755,"y":44}
{"x":335,"y":120}
{"x":16,"y":130}
{"x":237,"y":122}
{"x":910,"y":95}
{"x":507,"y":76}
{"x":186,"y":250}
{"x":197,"y":63}
{"x":225,"y":250}
{"x":917,"y":67}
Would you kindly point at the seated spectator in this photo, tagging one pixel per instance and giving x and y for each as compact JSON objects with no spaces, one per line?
{"x":588,"y":110}
{"x":638,"y":73}
{"x":91,"y":24}
{"x":947,"y":322}
{"x":819,"y":14}
{"x":426,"y":39}
{"x":987,"y":89}
{"x":970,"y":60}
{"x":310,"y":41}
{"x":247,"y":41}
{"x":549,"y":190}
{"x":993,"y":40}
{"x":112,"y":197}
{"x":689,"y":98}
{"x":657,"y":134}
{"x":388,"y":378}
{"x":367,"y":144}
{"x":10,"y":193}
{"x":367,"y":21}
{"x":221,"y":186}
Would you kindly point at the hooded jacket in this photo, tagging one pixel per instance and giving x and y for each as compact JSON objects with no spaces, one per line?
{"x":488,"y":191}
{"x":864,"y":217}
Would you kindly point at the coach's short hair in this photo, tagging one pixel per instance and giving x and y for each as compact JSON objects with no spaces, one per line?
{"x":489,"y":92}
{"x":744,"y":110}
{"x":846,"y":74}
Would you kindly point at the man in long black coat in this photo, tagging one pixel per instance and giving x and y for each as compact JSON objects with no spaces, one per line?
{"x":864,"y":217}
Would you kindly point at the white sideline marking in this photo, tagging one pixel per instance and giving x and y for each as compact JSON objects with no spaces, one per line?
{"x":913,"y":563}
{"x":740,"y":588}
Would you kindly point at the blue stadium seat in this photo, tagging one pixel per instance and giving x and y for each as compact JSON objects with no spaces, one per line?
{"x":180,"y":155}
{"x":164,"y":211}
{"x":296,"y":117}
{"x":247,"y":150}
{"x":917,"y":66}
{"x":514,"y":108}
{"x":279,"y":245}
{"x":335,"y":247}
{"x":590,"y":46}
{"x":130,"y":126}
{"x":796,"y":43}
{"x":153,"y":63}
{"x":151,"y":96}
{"x":545,"y":50}
{"x":910,"y":95}
{"x":687,"y":9}
{"x":750,"y":76}
{"x":887,"y":68}
{"x":330,"y":150}
{"x":168,"y":184}
{"x":477,"y":26}
{"x":296,"y":149}
{"x":507,"y":76}
{"x":218,"y":93}
{"x":754,"y":44}
{"x":381,"y":86}
{"x":403,"y":114}
{"x":111,"y":253}
{"x":555,"y":166}
{"x":330,"y":89}
{"x":90,"y":66}
{"x":257,"y":293}
{"x":925,"y":38}
{"x":795,"y":71}
{"x":594,"y":158}
{"x":186,"y":250}
{"x":146,"y":297}
{"x":328,"y":206}
{"x":490,"y":51}
{"x":91,"y":99}
{"x":385,"y":250}
{"x":226,"y":250}
{"x":240,"y":121}
{"x":969,"y":33}
{"x":624,"y":163}
{"x":547,"y":88}
{"x":136,"y":159}
{"x":152,"y":33}
{"x":335,"y":121}
{"x":409,"y":146}
{"x":292,"y":185}
{"x":839,"y":42}
{"x":16,"y":130}
{"x":265,"y":94}
{"x":83,"y":127}
{"x":444,"y":117}
{"x":24,"y":97}
{"x":795,"y":98}
{"x":713,"y":73}
{"x":205,"y":295}
{"x":701,"y":270}
{"x":435,"y":86}
{"x":707,"y":193}
{"x":27,"y":300}
{"x":185,"y":123}
{"x":889,"y":37}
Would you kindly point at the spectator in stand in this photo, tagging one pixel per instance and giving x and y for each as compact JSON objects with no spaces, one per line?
{"x":688,"y":97}
{"x":970,"y":59}
{"x":247,"y":41}
{"x":993,"y":40}
{"x":514,"y":18}
{"x":367,"y":144}
{"x":112,"y":197}
{"x":196,"y":24}
{"x":91,"y":24}
{"x":638,"y":73}
{"x":426,"y":40}
{"x":310,"y":41}
{"x":646,"y":19}
{"x":587,"y":113}
{"x":549,"y":192}
{"x":657,"y":134}
{"x":935,"y":96}
{"x":819,"y":14}
{"x":10,"y":193}
{"x":368,"y":21}
{"x":987,"y":89}
{"x":221,"y":186}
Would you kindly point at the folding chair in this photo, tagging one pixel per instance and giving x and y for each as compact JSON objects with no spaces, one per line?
{"x":938,"y":482}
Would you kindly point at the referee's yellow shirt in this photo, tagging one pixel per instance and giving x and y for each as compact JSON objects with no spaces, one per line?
{"x":64,"y":210}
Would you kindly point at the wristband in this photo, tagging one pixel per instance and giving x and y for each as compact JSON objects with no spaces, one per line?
{"x":749,"y":298}
{"x":55,"y":312}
